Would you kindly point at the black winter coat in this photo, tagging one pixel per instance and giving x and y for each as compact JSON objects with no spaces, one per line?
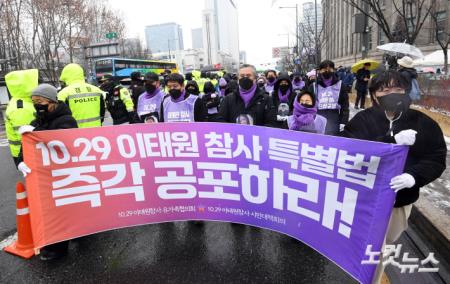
{"x":60,"y":118}
{"x":260,"y":108}
{"x":426,"y":158}
{"x":361,"y":85}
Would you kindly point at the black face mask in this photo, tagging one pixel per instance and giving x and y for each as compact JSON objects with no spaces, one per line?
{"x":192,"y":91}
{"x":396,"y":103}
{"x":150,"y":88}
{"x":41,"y":110}
{"x":271,"y":79}
{"x":327,"y":75}
{"x":284,"y":89}
{"x":307,"y":105}
{"x":246,"y":83}
{"x":208,"y":90}
{"x":260,"y":84}
{"x":175,"y":94}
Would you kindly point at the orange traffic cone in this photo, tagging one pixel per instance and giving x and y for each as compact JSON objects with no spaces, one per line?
{"x":24,"y":245}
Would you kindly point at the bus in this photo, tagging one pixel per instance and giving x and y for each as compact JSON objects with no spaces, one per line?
{"x":122,"y":67}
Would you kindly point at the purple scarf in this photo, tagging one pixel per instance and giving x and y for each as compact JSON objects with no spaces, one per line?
{"x":298,"y":85}
{"x":149,"y":96}
{"x":284,"y":98}
{"x":181,"y":98}
{"x":222,"y":92}
{"x":269,"y":86}
{"x":303,"y":115}
{"x":247,"y":95}
{"x":328,"y":82}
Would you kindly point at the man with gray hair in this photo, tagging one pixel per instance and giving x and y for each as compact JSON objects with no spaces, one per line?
{"x":248,"y":100}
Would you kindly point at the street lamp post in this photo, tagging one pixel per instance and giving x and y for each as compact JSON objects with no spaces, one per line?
{"x":296,"y":30}
{"x":317,"y":57}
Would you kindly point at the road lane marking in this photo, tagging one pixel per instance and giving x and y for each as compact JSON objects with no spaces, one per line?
{"x":9,"y":240}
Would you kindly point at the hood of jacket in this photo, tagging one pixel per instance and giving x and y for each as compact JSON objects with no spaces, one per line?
{"x":412,"y":73}
{"x":21,"y":83}
{"x":192,"y":83}
{"x":281,"y":77}
{"x":72,"y":73}
{"x":196,"y":74}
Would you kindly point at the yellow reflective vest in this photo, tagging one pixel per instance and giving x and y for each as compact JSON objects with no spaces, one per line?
{"x":84,"y":100}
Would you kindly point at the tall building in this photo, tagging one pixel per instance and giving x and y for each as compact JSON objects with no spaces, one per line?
{"x":197,"y":38}
{"x":243,"y":57}
{"x":341,"y":44}
{"x":309,"y":16}
{"x":309,"y":34}
{"x":164,"y":37}
{"x":221,"y":33}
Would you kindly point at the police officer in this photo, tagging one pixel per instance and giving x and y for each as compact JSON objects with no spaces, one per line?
{"x":137,"y":87}
{"x":118,"y":100}
{"x":85,"y":101}
{"x":20,"y":110}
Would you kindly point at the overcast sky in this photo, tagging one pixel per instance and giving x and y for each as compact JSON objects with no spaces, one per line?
{"x":260,"y":22}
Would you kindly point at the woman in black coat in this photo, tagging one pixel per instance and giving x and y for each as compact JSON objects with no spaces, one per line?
{"x":51,"y":114}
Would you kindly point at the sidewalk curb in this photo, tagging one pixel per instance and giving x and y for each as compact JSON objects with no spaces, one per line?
{"x":433,"y":226}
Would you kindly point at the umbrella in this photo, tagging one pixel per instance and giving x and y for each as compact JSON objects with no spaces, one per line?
{"x":360,"y":64}
{"x":401,"y":47}
{"x":428,"y":70}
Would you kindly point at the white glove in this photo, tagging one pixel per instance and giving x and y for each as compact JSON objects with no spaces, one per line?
{"x":406,"y":137}
{"x":24,"y":169}
{"x":402,"y":181}
{"x":25,"y":129}
{"x":341,"y":127}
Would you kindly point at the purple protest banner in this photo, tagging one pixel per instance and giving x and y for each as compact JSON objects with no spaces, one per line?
{"x":329,"y":192}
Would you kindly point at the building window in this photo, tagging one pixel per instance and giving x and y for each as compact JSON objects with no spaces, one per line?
{"x":441,"y":21}
{"x":369,"y":38}
{"x":381,"y":36}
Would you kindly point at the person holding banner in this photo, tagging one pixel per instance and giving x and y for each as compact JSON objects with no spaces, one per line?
{"x":249,"y":100}
{"x":51,"y":114}
{"x":304,"y":116}
{"x":390,"y":120}
{"x":180,"y":106}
